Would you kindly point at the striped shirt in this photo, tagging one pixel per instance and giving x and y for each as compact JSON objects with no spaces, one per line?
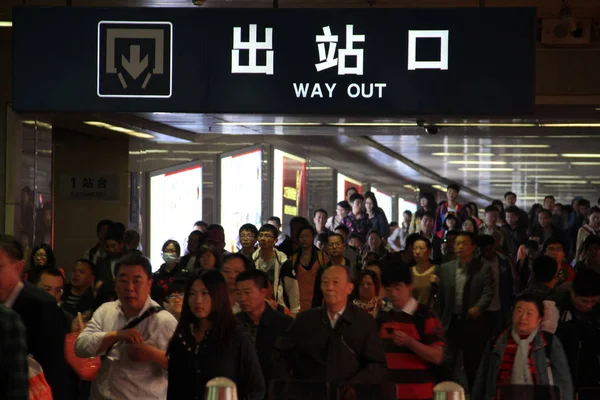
{"x":414,"y":377}
{"x":508,"y":359}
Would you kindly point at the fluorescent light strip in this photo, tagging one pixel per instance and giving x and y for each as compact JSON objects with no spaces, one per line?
{"x":411,"y":187}
{"x":6,"y":24}
{"x":248,"y":123}
{"x":563,"y":182}
{"x":538,"y":163}
{"x":487,"y":125}
{"x":528,"y":155}
{"x":537,"y":169}
{"x":451,"y":145}
{"x":595,"y":182}
{"x":440,"y":187}
{"x":586,"y":163}
{"x":466,"y":162}
{"x":485,"y":169}
{"x":373,"y":124}
{"x":518,"y":146}
{"x":463,"y":154}
{"x":119,"y":129}
{"x":555,"y":177}
{"x":573,"y":125}
{"x":581,"y":155}
{"x":39,"y":124}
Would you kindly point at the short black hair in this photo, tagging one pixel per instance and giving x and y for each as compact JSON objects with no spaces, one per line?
{"x":470,"y":235}
{"x":344,"y":204}
{"x":453,"y":232}
{"x":35,"y":278}
{"x":454,"y":186}
{"x":277,"y":220}
{"x":407,"y":212}
{"x":412,"y":238}
{"x":586,"y":283}
{"x":532,"y":244}
{"x":260,"y":279}
{"x":483,"y":241}
{"x":214,"y":227}
{"x":595,"y":209}
{"x":544,"y":269}
{"x":491,"y":208}
{"x":102,"y":224}
{"x":356,"y":196}
{"x":250,"y":228}
{"x":134,"y":258}
{"x":373,"y":275}
{"x":320,"y":210}
{"x":553,"y":240}
{"x":512,"y":210}
{"x":549,"y":197}
{"x":343,"y":228}
{"x":175,"y":243}
{"x":89,"y":263}
{"x":299,"y":221}
{"x":305,"y":228}
{"x":131,"y":236}
{"x":116,"y":232}
{"x":269,"y":228}
{"x":509,"y":193}
{"x":530,"y":297}
{"x":11,"y":247}
{"x":544,"y":211}
{"x":178,"y":285}
{"x":590,"y":241}
{"x":584,"y":202}
{"x":233,"y":256}
{"x":429,"y":214}
{"x":202,"y":224}
{"x":427,"y":242}
{"x":393,"y":224}
{"x":396,"y":275}
{"x":336,"y":235}
{"x":322,"y":237}
{"x":351,"y":188}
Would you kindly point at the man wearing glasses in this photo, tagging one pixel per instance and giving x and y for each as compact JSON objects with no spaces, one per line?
{"x":277,"y":267}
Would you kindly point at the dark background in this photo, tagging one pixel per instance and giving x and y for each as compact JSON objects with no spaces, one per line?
{"x":491,"y":61}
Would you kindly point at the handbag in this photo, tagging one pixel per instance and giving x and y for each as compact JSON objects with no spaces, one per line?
{"x":86,"y":368}
{"x":38,"y":386}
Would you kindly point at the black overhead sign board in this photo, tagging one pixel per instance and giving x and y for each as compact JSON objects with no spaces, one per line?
{"x":305,"y":61}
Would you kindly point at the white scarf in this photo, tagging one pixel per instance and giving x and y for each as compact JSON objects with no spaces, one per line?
{"x":521,"y":375}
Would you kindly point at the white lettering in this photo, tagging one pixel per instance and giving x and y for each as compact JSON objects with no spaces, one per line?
{"x":252,"y":46}
{"x":317,"y":91}
{"x":413,"y":64}
{"x":330,"y":89}
{"x":327,"y":45}
{"x":380,"y":87}
{"x":353,"y":87}
{"x":301,"y":89}
{"x":364,"y":92}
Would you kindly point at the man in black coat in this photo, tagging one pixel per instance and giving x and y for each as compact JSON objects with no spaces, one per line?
{"x":334,"y":343}
{"x":264,"y":323}
{"x":41,"y":316}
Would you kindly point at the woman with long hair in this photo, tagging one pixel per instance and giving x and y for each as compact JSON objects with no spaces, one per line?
{"x":376,"y":215}
{"x":533,"y":214}
{"x":42,"y":257}
{"x":209,"y":342}
{"x":470,"y":225}
{"x":375,"y":244}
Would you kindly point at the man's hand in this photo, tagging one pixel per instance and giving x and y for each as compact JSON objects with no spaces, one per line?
{"x":474,"y":312}
{"x":130,"y":336}
{"x":141,"y":352}
{"x":401,"y":339}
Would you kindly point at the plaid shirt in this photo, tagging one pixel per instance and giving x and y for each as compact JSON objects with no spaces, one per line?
{"x":14,"y":371}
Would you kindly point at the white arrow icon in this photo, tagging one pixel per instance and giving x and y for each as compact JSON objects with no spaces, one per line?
{"x":134,"y":66}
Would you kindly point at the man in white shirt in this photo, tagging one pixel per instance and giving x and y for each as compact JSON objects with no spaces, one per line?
{"x":133,"y":359}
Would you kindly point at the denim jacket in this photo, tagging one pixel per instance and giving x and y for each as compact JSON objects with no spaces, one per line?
{"x":487,"y":375}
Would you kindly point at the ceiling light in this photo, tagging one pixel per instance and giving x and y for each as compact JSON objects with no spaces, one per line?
{"x":39,"y":124}
{"x":538,"y":163}
{"x":413,"y":188}
{"x":534,"y":198}
{"x":581,"y":155}
{"x":487,"y":125}
{"x":119,"y":129}
{"x":518,"y":146}
{"x":440,"y":187}
{"x":564,"y":182}
{"x":537,"y":169}
{"x":5,"y":24}
{"x":451,"y":145}
{"x":573,"y":125}
{"x":197,"y":151}
{"x":372,"y":124}
{"x":595,"y":182}
{"x":248,"y":123}
{"x":528,"y":155}
{"x":318,"y":168}
{"x":477,"y":162}
{"x":485,"y":169}
{"x":506,"y":185}
{"x":555,"y":177}
{"x":463,"y":154}
{"x":585,"y":163}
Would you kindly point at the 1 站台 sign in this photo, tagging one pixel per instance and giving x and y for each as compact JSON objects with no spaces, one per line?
{"x":78,"y":186}
{"x":338,"y":61}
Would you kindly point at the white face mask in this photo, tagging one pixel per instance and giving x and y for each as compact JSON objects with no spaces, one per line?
{"x":169,"y":258}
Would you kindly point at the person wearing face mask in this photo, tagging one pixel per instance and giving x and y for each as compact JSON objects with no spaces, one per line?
{"x":168,"y":272}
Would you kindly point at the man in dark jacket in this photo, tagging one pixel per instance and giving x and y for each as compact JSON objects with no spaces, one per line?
{"x":335,"y":343}
{"x":579,"y":328}
{"x":264,"y":323}
{"x":41,"y":316}
{"x":465,"y":292}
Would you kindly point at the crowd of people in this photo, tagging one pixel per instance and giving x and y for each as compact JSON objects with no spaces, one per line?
{"x":348,"y":299}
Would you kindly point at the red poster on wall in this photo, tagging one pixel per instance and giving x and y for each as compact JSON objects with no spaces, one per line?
{"x":294,"y":189}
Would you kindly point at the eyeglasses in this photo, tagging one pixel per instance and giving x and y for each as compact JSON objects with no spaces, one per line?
{"x":263,"y":236}
{"x":248,"y":236}
{"x":175,"y":296}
